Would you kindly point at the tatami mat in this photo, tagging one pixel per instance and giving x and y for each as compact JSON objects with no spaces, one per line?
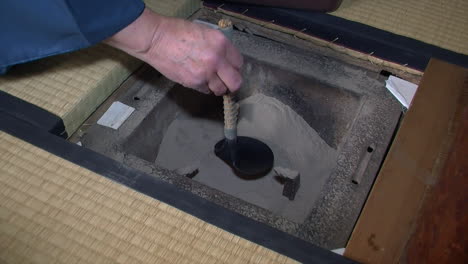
{"x":73,"y":85}
{"x":443,"y":23}
{"x":177,"y":8}
{"x":52,"y":211}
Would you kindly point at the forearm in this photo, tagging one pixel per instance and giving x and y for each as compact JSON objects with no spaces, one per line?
{"x":136,"y":39}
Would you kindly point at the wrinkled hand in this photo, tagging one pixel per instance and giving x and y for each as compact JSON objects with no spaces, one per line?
{"x":188,"y":53}
{"x":196,"y":56}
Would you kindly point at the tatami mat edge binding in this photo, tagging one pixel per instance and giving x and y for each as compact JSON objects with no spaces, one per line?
{"x":54,"y":211}
{"x":71,"y":86}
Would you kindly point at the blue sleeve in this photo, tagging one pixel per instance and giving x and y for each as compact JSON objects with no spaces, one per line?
{"x":41,"y":28}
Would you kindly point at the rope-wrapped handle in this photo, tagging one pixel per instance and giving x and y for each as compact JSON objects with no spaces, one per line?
{"x":231,"y":108}
{"x":224,"y":23}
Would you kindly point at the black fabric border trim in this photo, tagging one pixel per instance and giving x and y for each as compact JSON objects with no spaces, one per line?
{"x":32,"y":114}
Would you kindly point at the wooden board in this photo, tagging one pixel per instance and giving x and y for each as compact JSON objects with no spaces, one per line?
{"x":442,"y":232}
{"x":411,"y":168}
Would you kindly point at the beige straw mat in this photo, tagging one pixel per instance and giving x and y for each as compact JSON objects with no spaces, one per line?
{"x":177,"y":8}
{"x":443,"y":23}
{"x":52,"y":210}
{"x":73,"y":85}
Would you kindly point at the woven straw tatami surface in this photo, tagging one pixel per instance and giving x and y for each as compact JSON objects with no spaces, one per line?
{"x":177,"y":8}
{"x":73,"y":85}
{"x":53,"y":211}
{"x":70,"y":85}
{"x":443,"y":23}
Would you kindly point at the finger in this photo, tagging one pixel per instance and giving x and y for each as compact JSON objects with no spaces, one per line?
{"x":217,"y":86}
{"x":229,"y":76}
{"x":233,"y":56}
{"x":204,"y":88}
{"x":201,"y":87}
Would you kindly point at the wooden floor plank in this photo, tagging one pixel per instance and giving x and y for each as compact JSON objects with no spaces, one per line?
{"x":411,"y":168}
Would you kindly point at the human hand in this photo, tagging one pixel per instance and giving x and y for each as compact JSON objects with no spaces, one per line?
{"x":188,"y":53}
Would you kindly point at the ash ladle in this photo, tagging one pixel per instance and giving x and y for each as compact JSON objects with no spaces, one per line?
{"x":249,"y":157}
